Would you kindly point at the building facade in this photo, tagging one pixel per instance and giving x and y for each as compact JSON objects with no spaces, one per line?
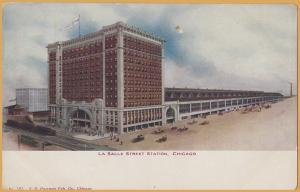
{"x":113,"y":81}
{"x":183,"y":103}
{"x":32,"y":99}
{"x":109,"y":81}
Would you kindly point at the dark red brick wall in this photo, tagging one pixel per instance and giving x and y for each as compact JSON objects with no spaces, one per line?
{"x":52,"y":77}
{"x":111,"y":71}
{"x":82,"y":69}
{"x":142,"y":73}
{"x":83,"y":72}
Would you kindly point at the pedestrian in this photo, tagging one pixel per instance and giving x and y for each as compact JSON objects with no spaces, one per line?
{"x":111,"y":135}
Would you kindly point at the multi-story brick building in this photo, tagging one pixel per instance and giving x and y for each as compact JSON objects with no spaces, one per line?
{"x":113,"y":81}
{"x":110,"y":80}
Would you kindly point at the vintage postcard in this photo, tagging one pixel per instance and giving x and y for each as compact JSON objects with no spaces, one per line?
{"x":179,"y":95}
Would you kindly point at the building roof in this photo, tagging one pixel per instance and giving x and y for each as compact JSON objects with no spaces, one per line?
{"x":168,"y":89}
{"x":15,"y":106}
{"x":192,"y":94}
{"x":206,"y":90}
{"x":108,"y":28}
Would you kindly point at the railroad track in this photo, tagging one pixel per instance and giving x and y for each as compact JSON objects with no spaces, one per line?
{"x":64,"y":141}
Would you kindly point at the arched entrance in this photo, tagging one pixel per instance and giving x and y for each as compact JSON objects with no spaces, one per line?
{"x":80,"y":120}
{"x":170,"y":115}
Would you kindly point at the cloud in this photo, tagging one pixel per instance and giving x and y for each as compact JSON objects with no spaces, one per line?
{"x":246,"y":44}
{"x":27,"y":30}
{"x":223,"y":46}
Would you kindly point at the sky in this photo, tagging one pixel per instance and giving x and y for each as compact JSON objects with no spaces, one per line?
{"x":247,"y":47}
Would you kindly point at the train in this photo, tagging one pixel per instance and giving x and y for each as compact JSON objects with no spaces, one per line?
{"x":31,"y":127}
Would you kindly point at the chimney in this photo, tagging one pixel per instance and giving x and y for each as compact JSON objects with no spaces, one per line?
{"x":291,"y":89}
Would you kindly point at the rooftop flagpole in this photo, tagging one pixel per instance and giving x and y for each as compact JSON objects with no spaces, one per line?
{"x":75,"y":21}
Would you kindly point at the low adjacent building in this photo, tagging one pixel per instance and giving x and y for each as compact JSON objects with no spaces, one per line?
{"x":32,"y":99}
{"x":183,"y":103}
{"x":14,"y":112}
